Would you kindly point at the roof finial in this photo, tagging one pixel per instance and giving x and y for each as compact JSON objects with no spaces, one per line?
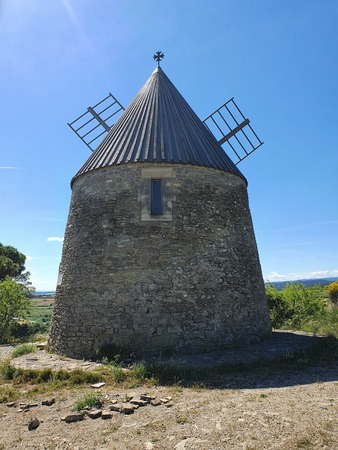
{"x":158,"y":57}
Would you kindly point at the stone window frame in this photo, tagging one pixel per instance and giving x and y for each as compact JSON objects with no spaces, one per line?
{"x":147,"y":175}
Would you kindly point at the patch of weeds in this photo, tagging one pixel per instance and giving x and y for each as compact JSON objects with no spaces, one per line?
{"x":116,"y":373}
{"x":181,"y":419}
{"x":6,"y":370}
{"x":139,"y":371}
{"x":111,"y":353}
{"x":88,"y":401}
{"x":23,"y":349}
{"x":176,"y":388}
{"x":79,"y":376}
{"x":263,"y":395}
{"x":127,"y":398}
{"x":33,"y":376}
{"x":304,"y":443}
{"x":8,"y":394}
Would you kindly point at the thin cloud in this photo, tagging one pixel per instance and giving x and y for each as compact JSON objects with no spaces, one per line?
{"x":10,"y":168}
{"x":55,"y":238}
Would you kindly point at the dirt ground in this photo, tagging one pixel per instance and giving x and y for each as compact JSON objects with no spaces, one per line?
{"x":288,"y":410}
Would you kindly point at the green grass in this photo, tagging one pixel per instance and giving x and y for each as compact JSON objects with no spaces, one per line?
{"x":23,"y":349}
{"x":8,"y":394}
{"x":41,"y":310}
{"x":324,"y":324}
{"x":89,"y":401}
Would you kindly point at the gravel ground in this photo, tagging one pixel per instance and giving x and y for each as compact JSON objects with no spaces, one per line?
{"x":288,"y":410}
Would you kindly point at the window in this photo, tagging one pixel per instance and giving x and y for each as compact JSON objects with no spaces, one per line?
{"x":156,"y":197}
{"x":156,"y":193}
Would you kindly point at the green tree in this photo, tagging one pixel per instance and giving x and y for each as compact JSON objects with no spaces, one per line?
{"x":12,"y":264}
{"x":333,"y":292}
{"x":14,"y":303}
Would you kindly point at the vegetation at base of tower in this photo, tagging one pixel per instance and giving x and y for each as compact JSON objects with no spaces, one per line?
{"x":157,"y":372}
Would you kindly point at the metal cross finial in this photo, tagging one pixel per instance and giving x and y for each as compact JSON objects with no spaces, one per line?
{"x":158,"y":57}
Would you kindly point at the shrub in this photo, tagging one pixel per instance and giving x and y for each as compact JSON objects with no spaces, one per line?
{"x":333,"y":292}
{"x":139,"y":371}
{"x":116,"y":373}
{"x":25,"y":330}
{"x":294,"y":305}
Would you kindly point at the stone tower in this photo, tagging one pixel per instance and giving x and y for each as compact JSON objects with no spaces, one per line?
{"x":159,"y":252}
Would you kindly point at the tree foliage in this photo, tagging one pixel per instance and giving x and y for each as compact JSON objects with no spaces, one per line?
{"x":333,"y":292}
{"x":12,"y":264}
{"x":14,"y":303}
{"x":294,"y":305}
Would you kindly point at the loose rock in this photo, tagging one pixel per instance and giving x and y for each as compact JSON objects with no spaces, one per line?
{"x":139,"y":402}
{"x":127,"y":410}
{"x":97,"y":385}
{"x":48,"y":402}
{"x":73,"y":418}
{"x":95,"y":414}
{"x":33,"y":424}
{"x":147,"y":398}
{"x":116,"y":407}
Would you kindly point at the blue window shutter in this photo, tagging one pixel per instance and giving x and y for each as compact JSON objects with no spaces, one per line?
{"x":156,"y":197}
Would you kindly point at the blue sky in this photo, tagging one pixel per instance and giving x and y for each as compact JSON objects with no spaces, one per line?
{"x":279,"y":59}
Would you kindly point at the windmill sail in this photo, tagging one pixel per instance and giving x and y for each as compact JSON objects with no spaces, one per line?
{"x":95,"y":123}
{"x":229,"y":126}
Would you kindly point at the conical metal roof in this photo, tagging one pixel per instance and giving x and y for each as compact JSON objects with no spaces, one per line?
{"x":159,"y":126}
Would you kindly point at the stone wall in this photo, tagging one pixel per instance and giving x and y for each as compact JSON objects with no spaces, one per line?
{"x":189,"y":283}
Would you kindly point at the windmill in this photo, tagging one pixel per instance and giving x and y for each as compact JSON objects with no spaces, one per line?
{"x":227,"y":123}
{"x":159,"y":253}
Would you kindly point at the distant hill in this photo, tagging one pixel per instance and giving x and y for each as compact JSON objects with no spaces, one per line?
{"x":279,"y":285}
{"x":44,"y":293}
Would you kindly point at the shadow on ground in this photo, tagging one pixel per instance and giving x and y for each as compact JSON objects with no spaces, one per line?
{"x":286,"y":359}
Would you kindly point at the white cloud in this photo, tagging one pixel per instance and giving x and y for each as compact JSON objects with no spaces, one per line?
{"x":29,"y":258}
{"x":274,"y":276}
{"x":55,"y":238}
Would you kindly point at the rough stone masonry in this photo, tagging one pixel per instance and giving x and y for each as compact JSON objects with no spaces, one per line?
{"x":186,"y":281}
